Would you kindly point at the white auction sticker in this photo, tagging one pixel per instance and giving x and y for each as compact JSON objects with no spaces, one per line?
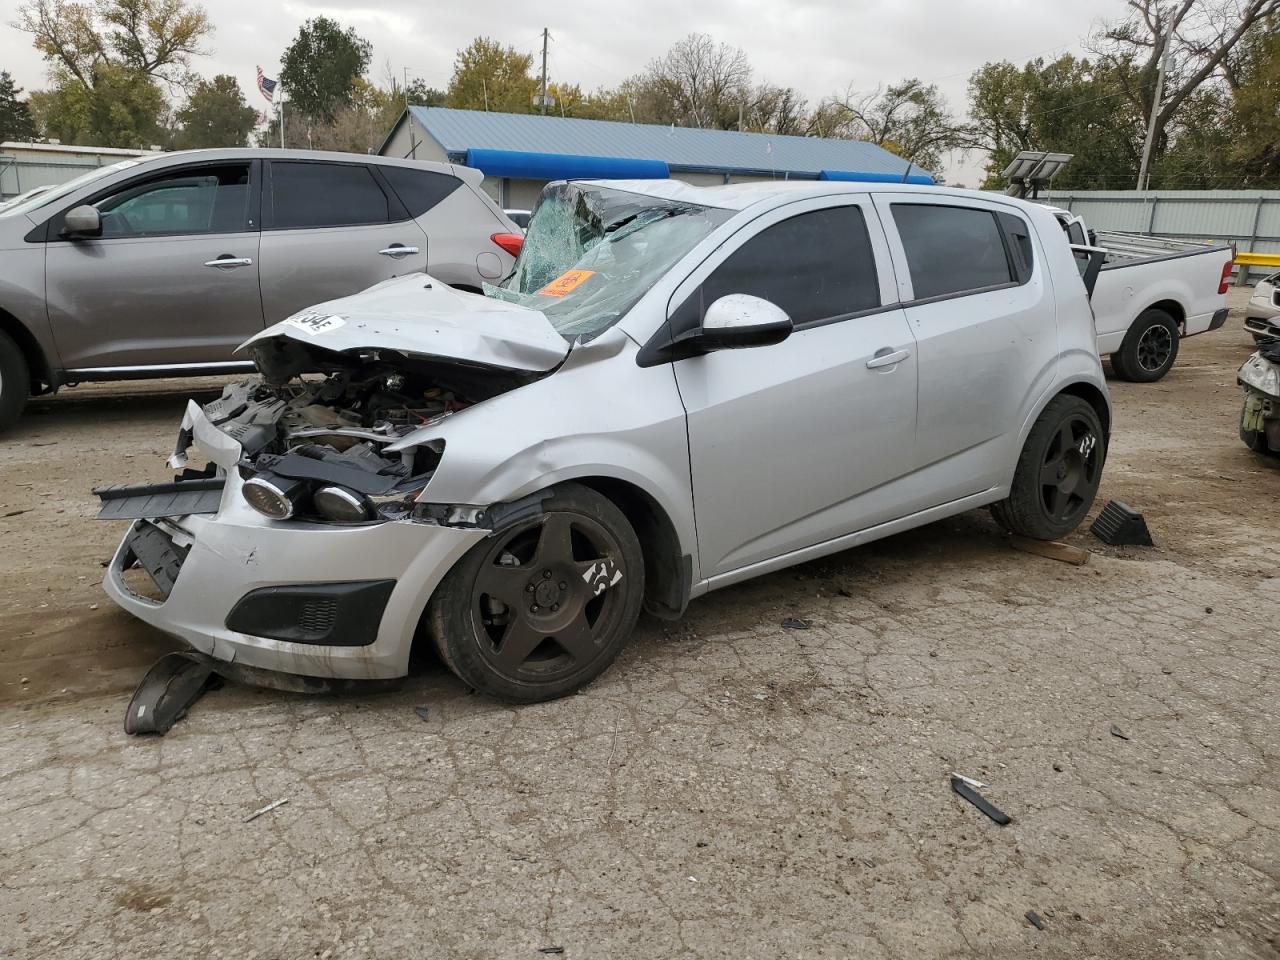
{"x":313,"y":323}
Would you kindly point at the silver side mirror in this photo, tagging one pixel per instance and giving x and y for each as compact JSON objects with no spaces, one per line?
{"x":741,"y":320}
{"x":82,"y":221}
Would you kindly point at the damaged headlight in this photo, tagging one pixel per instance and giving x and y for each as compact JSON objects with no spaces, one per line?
{"x":342,"y":505}
{"x":356,"y":485}
{"x":274,"y":497}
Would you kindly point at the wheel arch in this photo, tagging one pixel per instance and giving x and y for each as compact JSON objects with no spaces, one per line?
{"x":1173,"y":308}
{"x":42,"y":378}
{"x":668,"y":573}
{"x":1091,"y":395}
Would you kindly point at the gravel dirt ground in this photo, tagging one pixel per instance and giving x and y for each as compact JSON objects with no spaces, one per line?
{"x":728,"y":789}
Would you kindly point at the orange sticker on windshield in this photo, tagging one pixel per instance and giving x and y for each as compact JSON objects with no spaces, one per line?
{"x":567,"y":282}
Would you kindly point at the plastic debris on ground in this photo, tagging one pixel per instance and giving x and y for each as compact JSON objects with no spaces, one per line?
{"x":166,"y":693}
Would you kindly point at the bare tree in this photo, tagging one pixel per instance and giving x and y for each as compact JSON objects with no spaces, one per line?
{"x":1202,"y":35}
{"x":699,"y":82}
{"x":910,"y":119}
{"x":779,"y":110}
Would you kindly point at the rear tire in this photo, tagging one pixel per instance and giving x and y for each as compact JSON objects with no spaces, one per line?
{"x":15,"y":382}
{"x":545,"y":604}
{"x":1058,"y":472}
{"x":1149,"y":348}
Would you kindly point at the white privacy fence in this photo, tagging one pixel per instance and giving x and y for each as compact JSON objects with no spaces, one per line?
{"x":1250,"y":219}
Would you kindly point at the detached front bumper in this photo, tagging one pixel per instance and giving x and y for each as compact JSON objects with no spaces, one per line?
{"x":318,"y":584}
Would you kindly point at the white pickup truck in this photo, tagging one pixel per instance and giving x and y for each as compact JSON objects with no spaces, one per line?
{"x":1150,"y":293}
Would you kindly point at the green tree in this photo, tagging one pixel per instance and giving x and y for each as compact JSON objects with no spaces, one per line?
{"x":489,"y":76}
{"x":215,"y":115}
{"x":107,"y":59}
{"x":120,"y":109}
{"x":1069,"y":105}
{"x":1254,"y":116}
{"x":320,"y":68}
{"x":15,"y":117}
{"x":1201,"y":38}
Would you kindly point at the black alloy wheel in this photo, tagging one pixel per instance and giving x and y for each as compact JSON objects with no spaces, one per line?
{"x":1149,"y":348}
{"x":544,"y":599}
{"x":1058,"y":472}
{"x":545,"y":605}
{"x":1155,"y":347}
{"x":1070,"y":472}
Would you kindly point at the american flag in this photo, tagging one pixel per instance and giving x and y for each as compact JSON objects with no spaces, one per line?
{"x":266,"y":87}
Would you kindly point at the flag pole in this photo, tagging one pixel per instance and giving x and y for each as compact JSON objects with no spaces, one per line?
{"x":280,"y":109}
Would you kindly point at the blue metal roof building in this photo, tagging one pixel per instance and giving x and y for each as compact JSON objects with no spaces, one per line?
{"x":519,"y":153}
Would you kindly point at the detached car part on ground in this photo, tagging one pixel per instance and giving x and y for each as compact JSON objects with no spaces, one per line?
{"x":677,"y":389}
{"x":1259,"y":377}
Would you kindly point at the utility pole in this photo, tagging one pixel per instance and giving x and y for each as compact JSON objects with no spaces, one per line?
{"x":1155,"y":107}
{"x":545,"y":36}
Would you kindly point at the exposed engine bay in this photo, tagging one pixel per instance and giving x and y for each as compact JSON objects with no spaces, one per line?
{"x":315,"y":425}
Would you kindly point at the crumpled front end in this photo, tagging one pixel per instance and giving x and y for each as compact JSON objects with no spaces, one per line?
{"x":1259,"y":376}
{"x":301,"y":547}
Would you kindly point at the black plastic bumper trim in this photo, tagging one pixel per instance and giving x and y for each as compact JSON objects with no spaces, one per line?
{"x":1219,"y":318}
{"x":324,"y":614}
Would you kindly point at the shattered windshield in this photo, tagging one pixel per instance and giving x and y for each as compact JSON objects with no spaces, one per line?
{"x":591,"y":252}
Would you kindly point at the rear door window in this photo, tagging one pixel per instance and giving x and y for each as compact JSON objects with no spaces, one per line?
{"x":419,"y":190}
{"x":308,"y":194}
{"x":816,"y":266}
{"x":951,"y":250}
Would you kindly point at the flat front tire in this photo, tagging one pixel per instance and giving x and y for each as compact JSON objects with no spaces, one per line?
{"x":15,"y":382}
{"x":1149,"y":348}
{"x":1058,"y":472}
{"x":545,"y":604}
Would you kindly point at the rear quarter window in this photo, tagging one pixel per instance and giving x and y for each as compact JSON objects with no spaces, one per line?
{"x":952,"y":250}
{"x":419,"y":190}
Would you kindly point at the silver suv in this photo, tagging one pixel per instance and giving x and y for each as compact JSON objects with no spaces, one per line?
{"x":162,"y":267}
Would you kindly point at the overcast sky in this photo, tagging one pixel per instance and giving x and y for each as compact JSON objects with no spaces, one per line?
{"x":816,"y":46}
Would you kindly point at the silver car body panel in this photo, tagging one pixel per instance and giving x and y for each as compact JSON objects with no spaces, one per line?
{"x":759,"y":458}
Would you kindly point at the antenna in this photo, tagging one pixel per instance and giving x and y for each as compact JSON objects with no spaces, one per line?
{"x":910,"y":163}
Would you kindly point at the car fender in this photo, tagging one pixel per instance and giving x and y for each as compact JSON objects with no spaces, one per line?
{"x":542,"y":434}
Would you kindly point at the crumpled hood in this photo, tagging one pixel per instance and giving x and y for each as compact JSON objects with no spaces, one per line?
{"x":420,"y":316}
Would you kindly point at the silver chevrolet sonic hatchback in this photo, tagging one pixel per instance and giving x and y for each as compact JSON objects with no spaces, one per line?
{"x":676,"y":389}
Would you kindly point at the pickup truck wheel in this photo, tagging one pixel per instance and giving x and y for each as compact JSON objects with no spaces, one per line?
{"x":1149,"y":348}
{"x":545,"y":604}
{"x":1058,"y":472}
{"x":15,"y":382}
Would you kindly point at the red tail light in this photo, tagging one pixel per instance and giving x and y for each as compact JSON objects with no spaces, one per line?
{"x":510,"y":242}
{"x":1226,"y":275}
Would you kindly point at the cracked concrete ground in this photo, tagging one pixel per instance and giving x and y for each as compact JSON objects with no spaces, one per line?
{"x":728,"y":789}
